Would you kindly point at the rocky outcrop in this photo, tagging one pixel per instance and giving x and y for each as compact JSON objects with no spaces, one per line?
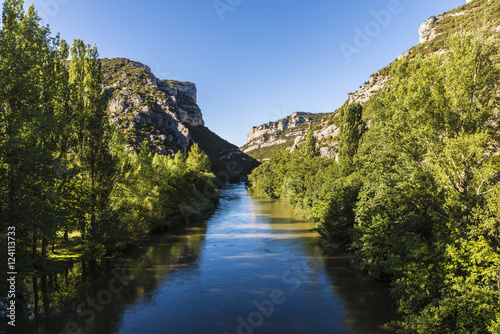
{"x":427,"y":31}
{"x":279,"y":132}
{"x":271,"y":128}
{"x":326,"y":138}
{"x":327,"y":152}
{"x":165,"y":113}
{"x":292,"y":131}
{"x":368,"y":89}
{"x":147,"y":108}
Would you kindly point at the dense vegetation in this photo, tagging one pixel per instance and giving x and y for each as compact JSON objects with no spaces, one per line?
{"x":416,"y":194}
{"x":228,"y":162}
{"x":64,"y":170}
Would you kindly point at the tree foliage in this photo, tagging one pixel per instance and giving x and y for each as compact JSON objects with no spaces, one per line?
{"x":418,"y":202}
{"x":351,"y":130}
{"x":64,"y":168}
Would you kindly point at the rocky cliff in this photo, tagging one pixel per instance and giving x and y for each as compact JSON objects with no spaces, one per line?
{"x":281,"y":132}
{"x":147,"y":108}
{"x":288,"y":133}
{"x":164,"y":113}
{"x":279,"y":126}
{"x":266,"y":139}
{"x":427,"y":31}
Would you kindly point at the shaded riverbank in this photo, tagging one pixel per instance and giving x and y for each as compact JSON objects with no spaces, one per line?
{"x":252,"y":267}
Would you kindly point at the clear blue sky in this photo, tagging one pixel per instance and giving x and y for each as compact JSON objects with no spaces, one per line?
{"x":263,"y":61}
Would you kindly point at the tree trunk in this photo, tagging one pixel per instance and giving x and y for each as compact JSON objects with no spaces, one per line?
{"x":35,"y":241}
{"x":44,"y":253}
{"x":66,"y":234}
{"x":92,"y":193}
{"x":35,"y":294}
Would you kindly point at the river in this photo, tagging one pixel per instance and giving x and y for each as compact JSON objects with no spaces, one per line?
{"x":251,"y":267}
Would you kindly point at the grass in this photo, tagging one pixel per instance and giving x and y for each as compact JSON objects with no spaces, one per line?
{"x":64,"y":255}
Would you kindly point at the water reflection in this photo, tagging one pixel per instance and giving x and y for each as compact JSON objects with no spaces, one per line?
{"x":368,"y":306}
{"x":81,"y":300}
{"x":254,"y":267}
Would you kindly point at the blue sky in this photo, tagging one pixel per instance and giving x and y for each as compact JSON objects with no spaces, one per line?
{"x":252,"y":61}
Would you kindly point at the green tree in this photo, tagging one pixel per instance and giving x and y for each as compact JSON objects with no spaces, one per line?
{"x":93,"y":136}
{"x":310,"y":149}
{"x":435,"y":131}
{"x":351,"y":130}
{"x":33,"y":115}
{"x":197,"y":160}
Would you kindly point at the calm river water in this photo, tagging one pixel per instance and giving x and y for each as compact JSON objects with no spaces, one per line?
{"x":252,"y":267}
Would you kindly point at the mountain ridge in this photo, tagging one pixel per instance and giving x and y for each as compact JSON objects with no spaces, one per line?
{"x":164,"y":113}
{"x":433,"y":34}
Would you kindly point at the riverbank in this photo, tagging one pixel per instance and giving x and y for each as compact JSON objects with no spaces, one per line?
{"x":64,"y":254}
{"x":215,"y":276}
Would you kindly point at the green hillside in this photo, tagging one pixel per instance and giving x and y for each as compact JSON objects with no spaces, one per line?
{"x":224,"y":156}
{"x":415,"y":194}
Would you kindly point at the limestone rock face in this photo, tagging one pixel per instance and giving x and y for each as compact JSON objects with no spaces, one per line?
{"x":426,"y":32}
{"x":270,"y":128}
{"x":326,"y":132}
{"x":292,"y":131}
{"x":165,"y":114}
{"x":147,"y":108}
{"x":327,"y":153}
{"x":368,"y":89}
{"x":276,"y":133}
{"x":327,"y":148}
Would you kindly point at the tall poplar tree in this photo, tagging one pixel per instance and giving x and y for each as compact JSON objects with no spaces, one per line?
{"x":92,"y":137}
{"x":351,"y":130}
{"x":32,"y":84}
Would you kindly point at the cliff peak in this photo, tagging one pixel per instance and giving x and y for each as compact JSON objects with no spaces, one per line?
{"x":147,"y":108}
{"x":164,"y":113}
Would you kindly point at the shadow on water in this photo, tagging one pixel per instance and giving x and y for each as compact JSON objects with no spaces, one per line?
{"x":91,"y":299}
{"x":367,"y":303}
{"x":214,"y":277}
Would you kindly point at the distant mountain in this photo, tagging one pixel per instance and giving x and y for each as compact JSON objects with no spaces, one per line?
{"x":165,"y":113}
{"x":288,"y":133}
